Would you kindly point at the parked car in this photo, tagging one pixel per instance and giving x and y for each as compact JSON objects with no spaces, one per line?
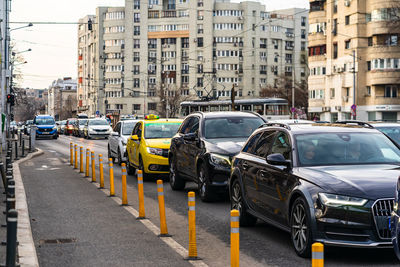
{"x":118,"y":139}
{"x":203,"y":148}
{"x":324,"y":183}
{"x":69,"y":127}
{"x":147,"y":148}
{"x":78,"y":128}
{"x":395,"y":221}
{"x":61,"y":127}
{"x":27,"y":128}
{"x":45,"y":126}
{"x":96,"y":128}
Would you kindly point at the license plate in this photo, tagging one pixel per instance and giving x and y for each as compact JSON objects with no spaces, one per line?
{"x":45,"y":133}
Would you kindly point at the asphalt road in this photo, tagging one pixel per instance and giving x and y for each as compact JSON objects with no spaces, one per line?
{"x":261,"y":245}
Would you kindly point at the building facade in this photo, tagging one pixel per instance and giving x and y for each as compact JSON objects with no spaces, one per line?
{"x":62,"y":102}
{"x":197,"y":49}
{"x":354,"y":56}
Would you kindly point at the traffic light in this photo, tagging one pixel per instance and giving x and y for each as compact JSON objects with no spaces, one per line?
{"x":90,"y":25}
{"x":11,"y":99}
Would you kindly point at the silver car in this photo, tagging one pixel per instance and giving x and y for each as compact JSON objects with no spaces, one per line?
{"x":118,"y":139}
{"x":97,"y":128}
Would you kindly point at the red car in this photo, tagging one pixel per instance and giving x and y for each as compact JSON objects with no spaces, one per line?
{"x":69,"y":127}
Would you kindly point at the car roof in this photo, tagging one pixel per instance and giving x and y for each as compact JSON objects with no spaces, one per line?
{"x":323,"y":128}
{"x":293,"y":121}
{"x":222,"y":114}
{"x":163,"y":121}
{"x":384,"y":124}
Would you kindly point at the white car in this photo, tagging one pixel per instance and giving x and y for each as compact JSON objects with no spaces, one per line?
{"x":97,"y":128}
{"x":118,"y":139}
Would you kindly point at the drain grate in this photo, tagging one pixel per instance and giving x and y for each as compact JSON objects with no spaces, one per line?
{"x":57,"y":241}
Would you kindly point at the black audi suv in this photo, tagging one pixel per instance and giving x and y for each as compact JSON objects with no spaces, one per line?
{"x":329,"y":183}
{"x":203,"y":148}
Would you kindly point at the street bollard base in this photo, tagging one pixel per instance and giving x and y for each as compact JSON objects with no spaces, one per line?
{"x":164,"y":235}
{"x":193,"y":258}
{"x":101,"y":187}
{"x":124,"y":205}
{"x":141,"y":218}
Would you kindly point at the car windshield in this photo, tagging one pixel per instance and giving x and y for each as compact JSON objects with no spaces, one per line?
{"x":13,"y":123}
{"x":345,"y":148}
{"x":392,"y":132}
{"x":45,"y":121}
{"x":98,"y":122}
{"x":160,"y":130}
{"x":230,"y":127}
{"x":127,"y":128}
{"x":82,"y":122}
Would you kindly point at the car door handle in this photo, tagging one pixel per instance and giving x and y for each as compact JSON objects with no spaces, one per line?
{"x":263,"y":174}
{"x":245,"y":166}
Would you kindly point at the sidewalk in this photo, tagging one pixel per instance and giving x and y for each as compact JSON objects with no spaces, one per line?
{"x":75,"y":224}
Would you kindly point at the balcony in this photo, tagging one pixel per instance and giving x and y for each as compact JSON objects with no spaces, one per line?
{"x":168,"y":14}
{"x":263,"y":72}
{"x":381,"y":100}
{"x":185,"y":71}
{"x":377,"y":77}
{"x":263,"y":45}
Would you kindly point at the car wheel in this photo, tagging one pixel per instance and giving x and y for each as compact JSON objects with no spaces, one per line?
{"x":141,"y":167}
{"x":300,"y":228}
{"x":237,"y":203}
{"x":175,"y":180}
{"x":130,"y":169}
{"x":203,"y":183}
{"x":119,"y":157}
{"x":109,"y":154}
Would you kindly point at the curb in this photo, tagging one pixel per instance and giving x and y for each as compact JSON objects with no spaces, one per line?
{"x":26,"y":248}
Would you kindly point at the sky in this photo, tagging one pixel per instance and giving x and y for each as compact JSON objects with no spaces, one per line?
{"x":54,"y":46}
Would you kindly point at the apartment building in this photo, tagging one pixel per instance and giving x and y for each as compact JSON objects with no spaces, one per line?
{"x":198,"y":49}
{"x":62,"y":102}
{"x":354,"y":58}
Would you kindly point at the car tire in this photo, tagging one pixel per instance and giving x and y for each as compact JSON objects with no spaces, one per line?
{"x":175,"y":180}
{"x":146,"y":176}
{"x":203,"y":183}
{"x":109,"y":154}
{"x":130,"y":169}
{"x":300,"y":225}
{"x":237,"y":203}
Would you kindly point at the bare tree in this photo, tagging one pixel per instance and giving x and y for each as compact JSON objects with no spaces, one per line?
{"x":26,"y":107}
{"x":171,"y":96}
{"x":69,"y":107}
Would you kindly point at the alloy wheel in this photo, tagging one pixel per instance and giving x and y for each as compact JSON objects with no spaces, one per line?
{"x":299,"y":227}
{"x":202,"y":183}
{"x":172,"y":173}
{"x":236,"y":199}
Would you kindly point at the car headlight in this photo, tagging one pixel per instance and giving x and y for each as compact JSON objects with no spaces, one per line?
{"x":90,"y":129}
{"x":220,"y":160}
{"x":55,"y":127}
{"x":154,"y":151}
{"x":339,"y":200}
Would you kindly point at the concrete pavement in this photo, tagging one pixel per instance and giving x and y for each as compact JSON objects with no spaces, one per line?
{"x":75,"y":224}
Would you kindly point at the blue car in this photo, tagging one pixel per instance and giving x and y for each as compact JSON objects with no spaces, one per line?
{"x":45,"y":126}
{"x":395,"y":221}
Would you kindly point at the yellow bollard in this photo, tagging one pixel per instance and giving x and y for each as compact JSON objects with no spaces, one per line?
{"x":101,"y":171}
{"x":124,"y":194}
{"x":317,"y":255}
{"x":76,"y":156}
{"x":81,"y":159}
{"x":111,"y":165}
{"x":141,"y":195}
{"x":93,"y":168}
{"x":87,"y":162}
{"x":71,"y":154}
{"x":234,"y":238}
{"x":192,"y":226}
{"x":161,"y":207}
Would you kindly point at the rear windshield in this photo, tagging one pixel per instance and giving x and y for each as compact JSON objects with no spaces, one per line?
{"x":346,"y":148}
{"x":44,"y":121}
{"x":98,"y":122}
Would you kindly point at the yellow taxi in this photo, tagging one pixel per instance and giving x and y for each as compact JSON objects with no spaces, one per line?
{"x":148,"y":146}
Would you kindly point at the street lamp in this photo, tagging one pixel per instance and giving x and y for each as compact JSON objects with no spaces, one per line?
{"x":16,"y":53}
{"x":26,"y":26}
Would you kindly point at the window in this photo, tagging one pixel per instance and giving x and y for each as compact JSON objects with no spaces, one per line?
{"x":335,"y":6}
{"x":347,"y":20}
{"x":334,"y":30}
{"x":390,"y":91}
{"x":282,"y":146}
{"x":200,"y":42}
{"x":303,"y":21}
{"x":335,"y":50}
{"x":368,"y":93}
{"x":332,"y":92}
{"x":264,"y":144}
{"x":347,"y":44}
{"x":136,"y":30}
{"x":136,"y":43}
{"x":136,"y":107}
{"x":200,"y":82}
{"x":250,"y":146}
{"x":152,"y":106}
{"x":370,"y":41}
{"x":368,"y":65}
{"x":136,"y":17}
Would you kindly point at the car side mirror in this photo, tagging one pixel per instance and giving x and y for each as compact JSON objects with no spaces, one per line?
{"x":190,"y":137}
{"x":114,"y":134}
{"x":278,"y":159}
{"x":134,"y":138}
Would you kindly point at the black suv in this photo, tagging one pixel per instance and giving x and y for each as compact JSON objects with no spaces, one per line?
{"x":203,"y":148}
{"x":329,"y":183}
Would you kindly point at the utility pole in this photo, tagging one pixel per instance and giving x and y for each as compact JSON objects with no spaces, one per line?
{"x":233,"y":97}
{"x":293,"y":90}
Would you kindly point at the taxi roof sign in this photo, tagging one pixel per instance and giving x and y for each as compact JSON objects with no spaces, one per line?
{"x":151,"y":117}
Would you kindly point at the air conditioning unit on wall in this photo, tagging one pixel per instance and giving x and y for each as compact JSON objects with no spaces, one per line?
{"x":347,"y":3}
